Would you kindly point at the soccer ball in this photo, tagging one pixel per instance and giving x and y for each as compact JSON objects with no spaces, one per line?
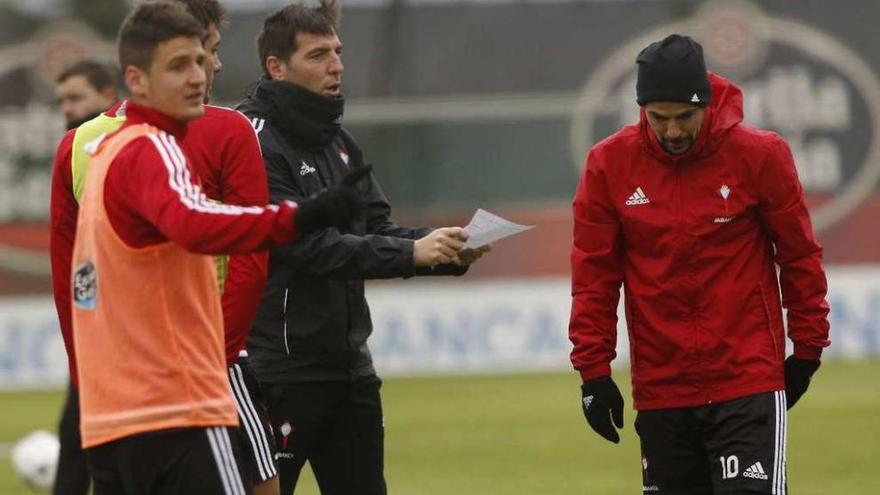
{"x":35,"y":458}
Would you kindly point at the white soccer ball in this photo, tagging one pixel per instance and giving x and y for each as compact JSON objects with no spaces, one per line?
{"x":35,"y":458}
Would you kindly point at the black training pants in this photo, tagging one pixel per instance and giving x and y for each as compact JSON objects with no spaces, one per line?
{"x":186,"y":461}
{"x":337,"y":427}
{"x":72,"y":477}
{"x":731,"y":448}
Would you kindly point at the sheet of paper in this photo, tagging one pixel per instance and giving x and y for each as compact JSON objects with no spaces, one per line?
{"x":485,"y":228}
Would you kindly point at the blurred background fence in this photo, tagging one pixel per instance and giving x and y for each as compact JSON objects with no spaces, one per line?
{"x":492,"y":104}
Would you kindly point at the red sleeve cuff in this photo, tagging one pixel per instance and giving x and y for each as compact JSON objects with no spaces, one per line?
{"x":595,"y":372}
{"x":285,"y":217}
{"x":802,"y":351}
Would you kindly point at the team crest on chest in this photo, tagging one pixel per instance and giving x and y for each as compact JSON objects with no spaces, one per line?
{"x":724,"y":191}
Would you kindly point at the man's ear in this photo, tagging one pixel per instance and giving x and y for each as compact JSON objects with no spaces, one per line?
{"x":137,"y":81}
{"x":275,"y":68}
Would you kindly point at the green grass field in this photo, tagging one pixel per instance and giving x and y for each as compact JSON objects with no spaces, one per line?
{"x":524,"y":434}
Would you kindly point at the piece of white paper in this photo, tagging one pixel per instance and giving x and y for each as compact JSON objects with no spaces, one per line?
{"x":485,"y":228}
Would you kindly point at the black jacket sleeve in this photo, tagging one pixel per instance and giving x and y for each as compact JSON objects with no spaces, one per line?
{"x":378,"y":209}
{"x":379,"y":223}
{"x":379,"y":217}
{"x":331,"y":253}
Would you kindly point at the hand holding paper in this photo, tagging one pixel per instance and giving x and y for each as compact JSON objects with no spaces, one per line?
{"x":485,"y":228}
{"x":439,"y":247}
{"x":468,"y":256}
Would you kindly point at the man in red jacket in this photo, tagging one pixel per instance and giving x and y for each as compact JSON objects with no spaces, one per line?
{"x":692,"y":211}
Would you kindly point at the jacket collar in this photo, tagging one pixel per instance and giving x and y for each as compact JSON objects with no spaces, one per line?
{"x":140,"y":114}
{"x":306,"y":118}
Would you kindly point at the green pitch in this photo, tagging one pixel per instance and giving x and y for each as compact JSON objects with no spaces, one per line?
{"x":524,"y":434}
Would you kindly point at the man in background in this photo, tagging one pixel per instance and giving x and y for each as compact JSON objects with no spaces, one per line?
{"x":308,"y":346}
{"x":84,"y":90}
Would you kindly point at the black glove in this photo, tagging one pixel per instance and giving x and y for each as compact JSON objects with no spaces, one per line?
{"x":602,"y":402}
{"x":797,"y":377}
{"x":336,"y":206}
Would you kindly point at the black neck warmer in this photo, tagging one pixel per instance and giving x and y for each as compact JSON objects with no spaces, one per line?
{"x":305,"y":118}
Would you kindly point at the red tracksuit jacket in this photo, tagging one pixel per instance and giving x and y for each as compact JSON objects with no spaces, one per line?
{"x":695,"y":240}
{"x":224,"y":153}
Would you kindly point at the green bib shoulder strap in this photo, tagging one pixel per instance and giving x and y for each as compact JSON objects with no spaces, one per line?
{"x":86,"y":134}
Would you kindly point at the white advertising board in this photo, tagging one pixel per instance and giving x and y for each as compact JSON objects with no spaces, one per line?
{"x":31,"y":350}
{"x":450,"y":326}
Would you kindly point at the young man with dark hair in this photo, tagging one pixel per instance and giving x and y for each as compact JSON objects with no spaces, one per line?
{"x":155,"y":400}
{"x":225,"y":154}
{"x":308,"y":345}
{"x":84,"y":90}
{"x":693,"y":211}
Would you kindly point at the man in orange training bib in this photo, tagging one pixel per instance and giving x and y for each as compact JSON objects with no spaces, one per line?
{"x":148,"y":332}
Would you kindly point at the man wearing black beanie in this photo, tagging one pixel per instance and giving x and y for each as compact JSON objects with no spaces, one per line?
{"x":693,"y":212}
{"x":673,"y":87}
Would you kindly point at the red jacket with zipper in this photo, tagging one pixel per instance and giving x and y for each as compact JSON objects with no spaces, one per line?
{"x":695,"y":240}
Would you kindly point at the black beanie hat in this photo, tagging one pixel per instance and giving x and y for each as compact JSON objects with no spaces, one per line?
{"x":673,"y":70}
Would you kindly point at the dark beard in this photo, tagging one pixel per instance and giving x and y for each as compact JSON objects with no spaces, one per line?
{"x":675,"y":148}
{"x":73,"y":124}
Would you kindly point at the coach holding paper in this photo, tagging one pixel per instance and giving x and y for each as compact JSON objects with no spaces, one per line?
{"x":692,"y":211}
{"x":308,"y":346}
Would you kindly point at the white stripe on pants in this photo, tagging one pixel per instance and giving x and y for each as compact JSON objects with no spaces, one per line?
{"x":218,"y":437}
{"x":779,"y":446}
{"x":250,"y":424}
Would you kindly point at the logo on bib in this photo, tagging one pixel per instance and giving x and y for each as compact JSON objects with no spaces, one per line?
{"x":85,"y":286}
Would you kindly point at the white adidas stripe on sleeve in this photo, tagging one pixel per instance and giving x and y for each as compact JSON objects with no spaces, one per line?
{"x":180,"y":181}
